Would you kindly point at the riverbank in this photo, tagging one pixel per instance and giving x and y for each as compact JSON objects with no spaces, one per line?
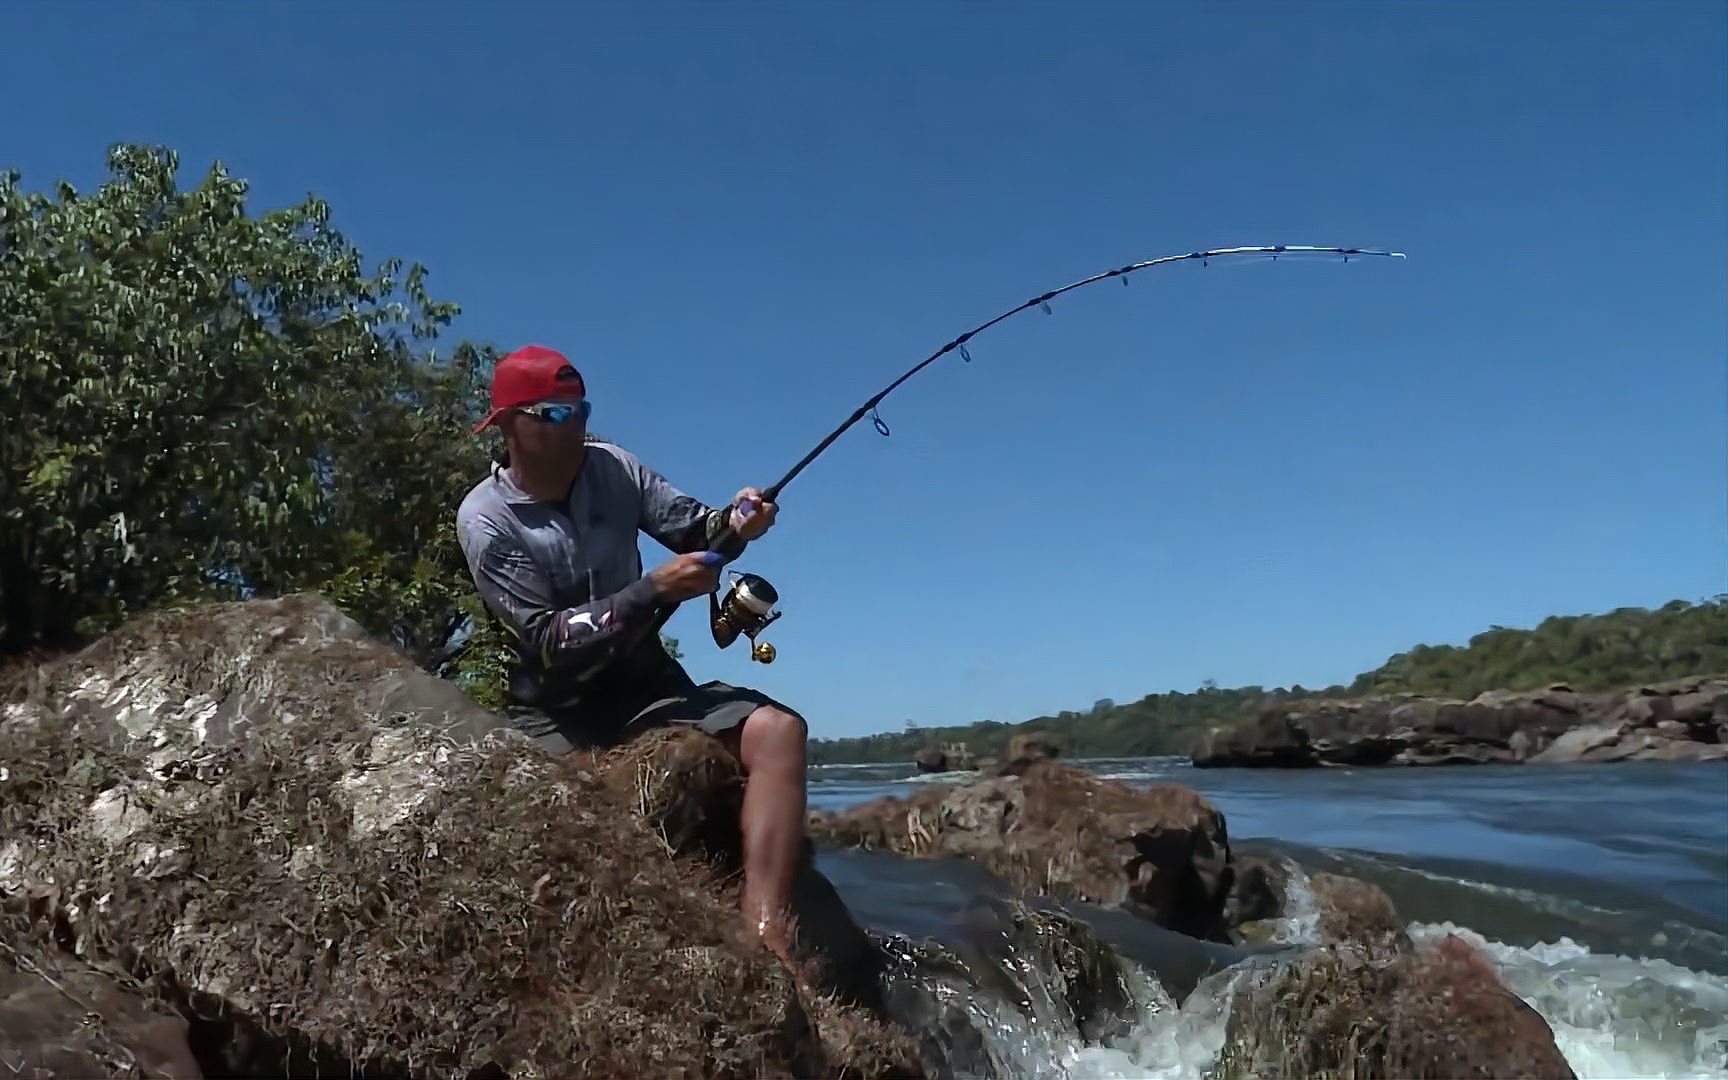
{"x":1591,"y":653}
{"x":1676,"y":720}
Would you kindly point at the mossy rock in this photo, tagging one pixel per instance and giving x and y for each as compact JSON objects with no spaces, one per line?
{"x":256,"y":811}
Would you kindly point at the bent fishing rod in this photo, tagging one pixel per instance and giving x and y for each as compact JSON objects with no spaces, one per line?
{"x":748,"y":605}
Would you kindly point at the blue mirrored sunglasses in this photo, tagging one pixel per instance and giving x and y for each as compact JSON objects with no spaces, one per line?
{"x":558,"y":412}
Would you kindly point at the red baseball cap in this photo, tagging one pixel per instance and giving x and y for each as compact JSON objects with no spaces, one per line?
{"x":531,"y":373}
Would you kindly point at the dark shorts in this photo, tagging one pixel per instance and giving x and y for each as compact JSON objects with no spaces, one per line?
{"x":668,"y":700}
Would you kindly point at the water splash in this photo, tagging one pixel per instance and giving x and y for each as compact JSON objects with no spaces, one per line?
{"x":1004,"y":1007}
{"x":1020,"y":991}
{"x":1176,"y":1044}
{"x":1300,"y":923}
{"x":1613,"y":1016}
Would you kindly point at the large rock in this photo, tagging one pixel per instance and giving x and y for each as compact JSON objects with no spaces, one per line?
{"x":1337,"y":1011}
{"x":1680,"y":720}
{"x":1057,"y":830}
{"x":263,"y":817}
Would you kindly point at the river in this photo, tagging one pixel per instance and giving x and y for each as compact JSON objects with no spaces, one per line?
{"x":1600,"y":892}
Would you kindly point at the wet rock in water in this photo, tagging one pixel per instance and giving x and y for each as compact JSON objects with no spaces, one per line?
{"x":1061,"y":831}
{"x":1023,"y":750}
{"x":1056,"y":961}
{"x":1684,"y":719}
{"x":1259,"y":889}
{"x":1020,"y":987}
{"x":62,"y":1018}
{"x":1350,"y":910}
{"x":1438,"y":1013}
{"x":1274,"y":901}
{"x":931,"y":759}
{"x":346,"y":865}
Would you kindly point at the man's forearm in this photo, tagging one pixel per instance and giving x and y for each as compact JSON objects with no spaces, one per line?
{"x":574,"y":637}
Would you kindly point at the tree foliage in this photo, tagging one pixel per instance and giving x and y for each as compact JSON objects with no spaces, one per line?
{"x":1587,"y":652}
{"x":199,"y":403}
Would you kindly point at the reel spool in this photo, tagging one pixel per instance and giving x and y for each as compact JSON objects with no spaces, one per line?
{"x":747,"y":607}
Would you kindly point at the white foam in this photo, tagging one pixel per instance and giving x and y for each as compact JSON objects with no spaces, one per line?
{"x":1300,"y":923}
{"x":1613,"y":1016}
{"x":956,"y":777}
{"x":1167,"y":1043}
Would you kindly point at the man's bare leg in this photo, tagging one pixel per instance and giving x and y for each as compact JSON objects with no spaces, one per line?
{"x":772,"y":750}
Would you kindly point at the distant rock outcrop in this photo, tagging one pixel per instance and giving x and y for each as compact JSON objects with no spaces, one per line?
{"x":1681,"y":720}
{"x":931,"y":759}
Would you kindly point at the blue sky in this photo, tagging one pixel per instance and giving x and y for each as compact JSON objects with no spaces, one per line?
{"x":742,"y":219}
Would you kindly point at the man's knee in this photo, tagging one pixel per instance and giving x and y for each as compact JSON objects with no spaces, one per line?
{"x":776,"y":733}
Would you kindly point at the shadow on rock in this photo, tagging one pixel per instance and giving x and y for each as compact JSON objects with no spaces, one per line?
{"x":60,"y":1016}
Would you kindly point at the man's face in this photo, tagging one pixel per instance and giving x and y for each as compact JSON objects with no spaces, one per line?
{"x":549,"y":430}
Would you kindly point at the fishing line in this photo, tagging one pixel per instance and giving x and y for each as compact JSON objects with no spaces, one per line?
{"x":749,"y":603}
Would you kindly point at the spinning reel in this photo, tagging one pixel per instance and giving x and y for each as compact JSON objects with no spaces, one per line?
{"x":747,"y":608}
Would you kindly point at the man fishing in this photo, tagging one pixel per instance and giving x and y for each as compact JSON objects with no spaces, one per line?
{"x":550,"y":539}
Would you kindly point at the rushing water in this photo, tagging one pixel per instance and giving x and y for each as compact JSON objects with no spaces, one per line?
{"x":1600,"y":891}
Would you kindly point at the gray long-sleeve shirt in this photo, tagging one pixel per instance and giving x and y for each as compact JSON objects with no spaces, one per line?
{"x":565,"y":577}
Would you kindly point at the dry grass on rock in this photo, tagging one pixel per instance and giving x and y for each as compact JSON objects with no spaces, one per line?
{"x":1435,"y":1015}
{"x":1057,"y":830}
{"x":279,"y":832}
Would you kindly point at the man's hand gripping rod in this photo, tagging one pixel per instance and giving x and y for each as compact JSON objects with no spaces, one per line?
{"x":748,"y":606}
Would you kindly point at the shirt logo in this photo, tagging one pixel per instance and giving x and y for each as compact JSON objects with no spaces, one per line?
{"x":586,"y":618}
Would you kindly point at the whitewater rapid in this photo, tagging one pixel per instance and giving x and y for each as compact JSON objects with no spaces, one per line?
{"x":1599,"y":892}
{"x":1613,"y":1017}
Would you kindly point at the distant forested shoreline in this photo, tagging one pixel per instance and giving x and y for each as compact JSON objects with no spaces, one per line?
{"x":1618,"y":648}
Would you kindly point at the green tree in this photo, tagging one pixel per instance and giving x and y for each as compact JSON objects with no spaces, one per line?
{"x":198,"y":402}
